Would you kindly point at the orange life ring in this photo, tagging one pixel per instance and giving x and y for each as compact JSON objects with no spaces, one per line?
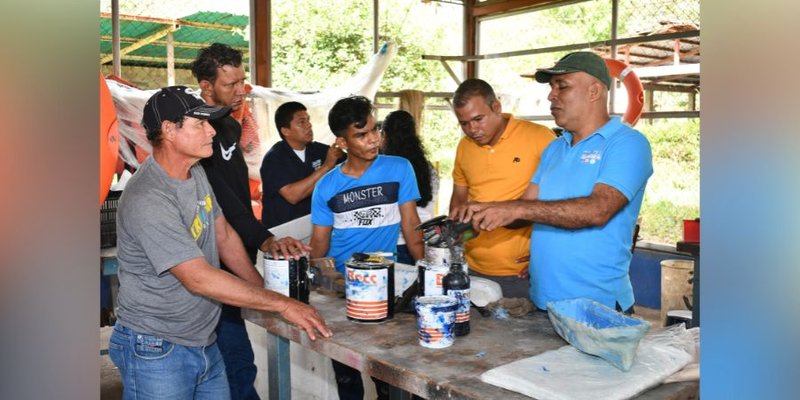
{"x":109,"y":139}
{"x":633,"y":86}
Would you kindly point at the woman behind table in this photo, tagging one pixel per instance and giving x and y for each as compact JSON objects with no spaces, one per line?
{"x":400,"y":139}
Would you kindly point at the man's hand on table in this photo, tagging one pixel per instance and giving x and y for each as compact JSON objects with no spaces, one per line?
{"x":307,"y":318}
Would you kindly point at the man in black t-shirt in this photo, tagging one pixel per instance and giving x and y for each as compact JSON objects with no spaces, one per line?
{"x":293,"y":166}
{"x":220,"y":75}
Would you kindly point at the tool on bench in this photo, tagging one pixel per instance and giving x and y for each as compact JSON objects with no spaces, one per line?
{"x":440,"y":231}
{"x":324,"y":277}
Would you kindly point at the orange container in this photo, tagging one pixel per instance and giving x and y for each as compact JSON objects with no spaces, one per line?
{"x":691,"y":230}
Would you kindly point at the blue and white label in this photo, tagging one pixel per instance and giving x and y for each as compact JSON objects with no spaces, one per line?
{"x":462,"y":299}
{"x":367,"y":293}
{"x":276,"y":276}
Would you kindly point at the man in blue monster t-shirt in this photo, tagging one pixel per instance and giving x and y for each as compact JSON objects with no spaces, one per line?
{"x":585,"y":197}
{"x":361,"y":206}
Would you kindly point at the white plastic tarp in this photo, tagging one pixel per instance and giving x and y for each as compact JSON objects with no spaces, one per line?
{"x":130,"y":101}
{"x":567,"y":373}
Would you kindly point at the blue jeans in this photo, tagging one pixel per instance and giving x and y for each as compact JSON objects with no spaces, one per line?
{"x":234,"y":344}
{"x":154,"y":368}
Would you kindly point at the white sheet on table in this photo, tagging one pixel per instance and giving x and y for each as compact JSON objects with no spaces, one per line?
{"x":567,"y":373}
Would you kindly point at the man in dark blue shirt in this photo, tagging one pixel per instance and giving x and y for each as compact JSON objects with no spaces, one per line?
{"x":293,"y":166}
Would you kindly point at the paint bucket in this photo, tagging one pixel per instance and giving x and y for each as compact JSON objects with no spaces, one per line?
{"x":691,"y":230}
{"x":436,"y":319}
{"x":430,"y":278}
{"x":441,"y":255}
{"x":287,"y":277}
{"x":369,"y":289}
{"x":675,"y":285}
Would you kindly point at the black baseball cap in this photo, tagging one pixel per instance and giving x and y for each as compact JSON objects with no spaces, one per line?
{"x":173,"y":103}
{"x":584,"y":61}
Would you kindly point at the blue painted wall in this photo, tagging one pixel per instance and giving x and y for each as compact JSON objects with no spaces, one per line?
{"x":645,"y":275}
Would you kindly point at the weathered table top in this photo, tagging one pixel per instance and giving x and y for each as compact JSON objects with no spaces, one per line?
{"x":390,"y":351}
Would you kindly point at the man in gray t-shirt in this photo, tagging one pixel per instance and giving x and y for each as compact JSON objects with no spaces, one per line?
{"x":153,"y":220}
{"x":171,"y":237}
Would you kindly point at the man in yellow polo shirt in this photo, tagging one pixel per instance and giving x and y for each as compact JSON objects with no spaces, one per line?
{"x":495,"y":162}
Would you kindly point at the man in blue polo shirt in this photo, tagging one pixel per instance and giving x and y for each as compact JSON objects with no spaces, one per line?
{"x":585,"y":197}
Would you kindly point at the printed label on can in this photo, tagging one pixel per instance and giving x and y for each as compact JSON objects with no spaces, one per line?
{"x":462,"y":299}
{"x":367,"y":293}
{"x":442,"y":256}
{"x":433,"y":276}
{"x":437,"y":255}
{"x":276,"y":276}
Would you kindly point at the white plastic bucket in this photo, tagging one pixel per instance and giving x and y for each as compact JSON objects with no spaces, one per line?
{"x":675,"y":285}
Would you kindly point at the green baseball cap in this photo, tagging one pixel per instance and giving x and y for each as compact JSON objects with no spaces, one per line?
{"x":584,"y":61}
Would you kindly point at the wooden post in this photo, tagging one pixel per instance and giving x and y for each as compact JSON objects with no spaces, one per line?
{"x":470,"y":38}
{"x":115,"y":36}
{"x":261,"y":30}
{"x":612,"y":91}
{"x":170,"y":60}
{"x":648,"y":103}
{"x":375,"y":25}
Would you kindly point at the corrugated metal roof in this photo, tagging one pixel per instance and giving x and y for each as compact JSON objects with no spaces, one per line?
{"x":143,"y":40}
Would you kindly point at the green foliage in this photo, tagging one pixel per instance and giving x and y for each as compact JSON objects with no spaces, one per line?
{"x":673,"y":191}
{"x":675,"y":139}
{"x":441,"y":138}
{"x":311,"y":50}
{"x":662,"y":222}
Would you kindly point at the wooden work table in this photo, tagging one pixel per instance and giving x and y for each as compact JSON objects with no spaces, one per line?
{"x":390,"y":351}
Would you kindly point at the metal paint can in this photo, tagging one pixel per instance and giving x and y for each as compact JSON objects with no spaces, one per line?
{"x":442,"y":256}
{"x":436,"y":319}
{"x":369,"y":289}
{"x":287,"y":277}
{"x":430,"y":277}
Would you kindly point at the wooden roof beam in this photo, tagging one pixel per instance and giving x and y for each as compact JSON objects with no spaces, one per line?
{"x":661,"y":72}
{"x":143,"y":42}
{"x":158,"y":60}
{"x":569,"y":47}
{"x":630,"y":53}
{"x":498,"y":7}
{"x":662,"y":48}
{"x":671,"y":88}
{"x":665,"y":61}
{"x":190,"y":45}
{"x":167,"y":21}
